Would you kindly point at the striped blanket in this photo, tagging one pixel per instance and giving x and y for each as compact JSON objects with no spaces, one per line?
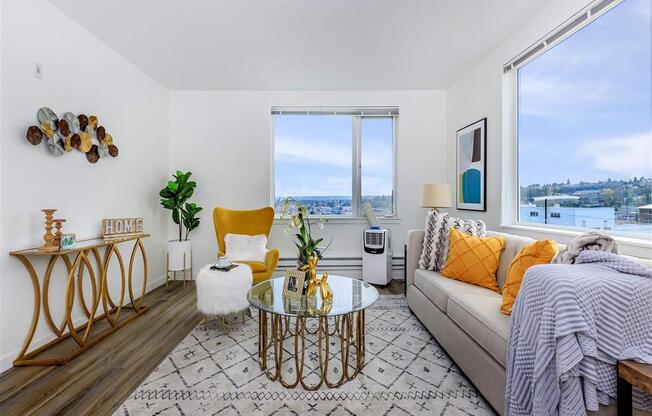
{"x":569,"y":326}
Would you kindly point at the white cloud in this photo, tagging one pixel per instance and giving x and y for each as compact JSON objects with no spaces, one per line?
{"x":561,"y":97}
{"x":315,"y":151}
{"x":627,"y":156}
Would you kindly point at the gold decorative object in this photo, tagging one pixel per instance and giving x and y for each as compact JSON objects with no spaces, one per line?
{"x":313,"y":284}
{"x":58,"y":223}
{"x":67,"y":143}
{"x":49,"y":243}
{"x":47,"y":130}
{"x":325,"y":289}
{"x":275,"y":329}
{"x":86,"y":142}
{"x":310,"y":268}
{"x":112,"y":311}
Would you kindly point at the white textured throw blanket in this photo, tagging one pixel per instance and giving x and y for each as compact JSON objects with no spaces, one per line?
{"x":569,"y":326}
{"x":589,"y":241}
{"x":435,"y":243}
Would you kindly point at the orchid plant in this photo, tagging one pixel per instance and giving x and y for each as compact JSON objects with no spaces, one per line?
{"x":298,"y":220}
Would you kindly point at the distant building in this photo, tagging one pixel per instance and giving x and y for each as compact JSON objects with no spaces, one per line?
{"x":549,"y":210}
{"x":645,"y":214}
{"x":596,"y":218}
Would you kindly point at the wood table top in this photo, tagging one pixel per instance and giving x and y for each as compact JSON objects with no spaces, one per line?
{"x":637,"y":374}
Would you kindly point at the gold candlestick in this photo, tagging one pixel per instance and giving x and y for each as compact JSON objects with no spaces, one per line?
{"x":58,"y":223}
{"x":48,"y":238}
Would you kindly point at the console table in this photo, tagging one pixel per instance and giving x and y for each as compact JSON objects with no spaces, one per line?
{"x":111,"y":310}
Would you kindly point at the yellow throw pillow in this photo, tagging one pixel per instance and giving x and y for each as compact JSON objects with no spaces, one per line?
{"x":474,"y":260}
{"x":539,"y":252}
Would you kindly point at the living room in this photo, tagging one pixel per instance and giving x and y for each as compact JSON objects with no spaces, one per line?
{"x":343,"y":207}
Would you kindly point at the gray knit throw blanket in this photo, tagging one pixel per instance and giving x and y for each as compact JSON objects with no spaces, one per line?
{"x":435,"y":243}
{"x":589,"y":241}
{"x":569,"y":327}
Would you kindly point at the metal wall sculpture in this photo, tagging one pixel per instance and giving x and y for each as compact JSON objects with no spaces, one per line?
{"x":71,"y":132}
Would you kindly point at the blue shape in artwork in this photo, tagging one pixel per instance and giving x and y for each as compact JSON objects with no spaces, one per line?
{"x":471,"y":186}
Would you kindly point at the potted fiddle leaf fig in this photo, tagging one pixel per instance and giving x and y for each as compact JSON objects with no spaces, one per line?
{"x":175,"y":197}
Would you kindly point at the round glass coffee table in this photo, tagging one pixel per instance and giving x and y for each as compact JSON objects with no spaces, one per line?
{"x":285,"y":323}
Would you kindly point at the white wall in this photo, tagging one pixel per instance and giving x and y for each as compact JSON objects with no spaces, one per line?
{"x":81,"y":74}
{"x":479,"y":93}
{"x":224,"y":138}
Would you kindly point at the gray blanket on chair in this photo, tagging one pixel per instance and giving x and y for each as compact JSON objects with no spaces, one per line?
{"x":569,"y":327}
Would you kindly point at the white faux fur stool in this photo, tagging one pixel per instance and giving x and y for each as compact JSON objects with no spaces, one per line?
{"x":223,"y":293}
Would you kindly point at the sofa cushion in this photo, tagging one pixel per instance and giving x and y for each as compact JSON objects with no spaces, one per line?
{"x":437,"y":288}
{"x":513,"y":243}
{"x":479,"y":316}
{"x":474,"y":259}
{"x":539,"y":252}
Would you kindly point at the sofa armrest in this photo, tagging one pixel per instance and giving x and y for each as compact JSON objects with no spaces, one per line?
{"x":414,"y":248}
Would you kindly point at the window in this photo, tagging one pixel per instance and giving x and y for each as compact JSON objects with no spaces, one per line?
{"x":584,"y":125}
{"x":335,"y":160}
{"x":534,"y":214}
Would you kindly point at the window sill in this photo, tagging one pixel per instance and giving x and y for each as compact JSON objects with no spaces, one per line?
{"x":346,"y":220}
{"x":569,"y":234}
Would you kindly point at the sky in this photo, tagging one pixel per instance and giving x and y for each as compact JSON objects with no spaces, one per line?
{"x":585,"y":114}
{"x":585,"y":106}
{"x":313,"y":155}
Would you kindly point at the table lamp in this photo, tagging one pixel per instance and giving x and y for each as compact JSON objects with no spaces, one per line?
{"x":436,"y":195}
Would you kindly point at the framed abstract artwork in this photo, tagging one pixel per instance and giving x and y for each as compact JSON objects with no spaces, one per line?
{"x":471,"y":165}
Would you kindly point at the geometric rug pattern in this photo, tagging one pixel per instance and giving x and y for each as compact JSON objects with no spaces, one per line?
{"x":215,"y":371}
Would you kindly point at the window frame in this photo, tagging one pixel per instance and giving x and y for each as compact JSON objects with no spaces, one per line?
{"x":510,"y":215}
{"x":356,"y":156}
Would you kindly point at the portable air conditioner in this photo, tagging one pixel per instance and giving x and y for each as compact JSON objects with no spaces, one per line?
{"x":377,"y":256}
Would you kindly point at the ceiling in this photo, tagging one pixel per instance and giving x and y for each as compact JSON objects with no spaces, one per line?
{"x":302,"y":44}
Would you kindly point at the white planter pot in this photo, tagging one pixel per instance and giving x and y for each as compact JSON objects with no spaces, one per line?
{"x":177,"y":250}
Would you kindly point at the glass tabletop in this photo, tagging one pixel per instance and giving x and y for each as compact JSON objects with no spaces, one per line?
{"x":349,"y":295}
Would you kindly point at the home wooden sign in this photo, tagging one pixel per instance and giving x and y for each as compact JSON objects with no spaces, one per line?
{"x":121,"y":227}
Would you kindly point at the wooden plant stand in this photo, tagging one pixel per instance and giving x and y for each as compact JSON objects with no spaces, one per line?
{"x":82,"y":334}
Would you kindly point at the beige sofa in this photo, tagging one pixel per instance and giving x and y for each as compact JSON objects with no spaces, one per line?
{"x":466,"y":319}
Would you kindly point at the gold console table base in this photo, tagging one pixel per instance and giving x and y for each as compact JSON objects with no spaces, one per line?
{"x":81,"y":334}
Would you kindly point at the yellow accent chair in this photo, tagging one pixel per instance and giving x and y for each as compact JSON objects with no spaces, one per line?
{"x":247,"y":222}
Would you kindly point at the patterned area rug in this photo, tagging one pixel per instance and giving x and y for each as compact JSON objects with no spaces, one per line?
{"x":216,"y":373}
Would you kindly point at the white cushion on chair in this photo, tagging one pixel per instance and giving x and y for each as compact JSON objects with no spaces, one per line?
{"x":245,"y":247}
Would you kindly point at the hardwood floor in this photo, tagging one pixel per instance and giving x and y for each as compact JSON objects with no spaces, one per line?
{"x":99,"y":380}
{"x":395,"y":287}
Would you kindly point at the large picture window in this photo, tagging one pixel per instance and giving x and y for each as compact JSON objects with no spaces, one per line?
{"x":584,"y":126}
{"x":335,"y":160}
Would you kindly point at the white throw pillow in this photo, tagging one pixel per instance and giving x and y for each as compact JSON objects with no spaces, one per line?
{"x":245,"y":247}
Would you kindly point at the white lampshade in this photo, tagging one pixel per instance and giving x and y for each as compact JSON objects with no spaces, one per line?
{"x":436,"y":195}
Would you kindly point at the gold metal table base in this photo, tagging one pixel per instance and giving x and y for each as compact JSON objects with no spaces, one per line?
{"x":274,"y":330}
{"x":82,"y":334}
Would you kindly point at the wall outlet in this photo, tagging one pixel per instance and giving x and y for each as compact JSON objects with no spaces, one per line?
{"x":38,"y":70}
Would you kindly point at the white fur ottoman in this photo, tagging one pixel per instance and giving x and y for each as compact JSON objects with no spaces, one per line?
{"x":223,"y":293}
